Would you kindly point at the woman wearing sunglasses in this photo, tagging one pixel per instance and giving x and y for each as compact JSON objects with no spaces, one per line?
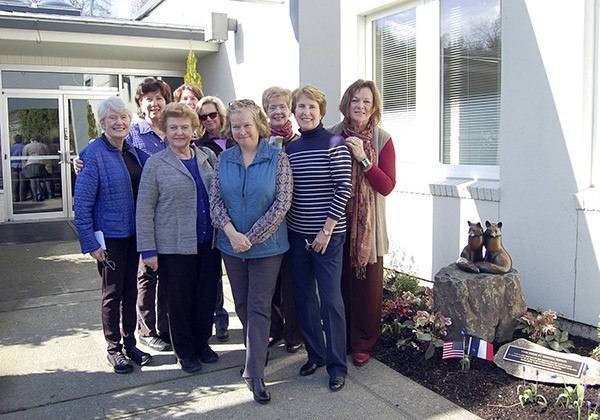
{"x":105,"y":195}
{"x":211,"y":112}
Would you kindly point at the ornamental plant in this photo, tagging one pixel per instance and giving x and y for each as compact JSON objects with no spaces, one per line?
{"x":542,"y":330}
{"x":528,"y":394}
{"x":596,"y":352}
{"x":410,"y":317}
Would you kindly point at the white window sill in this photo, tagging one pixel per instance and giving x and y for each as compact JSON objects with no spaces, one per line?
{"x":475,"y":189}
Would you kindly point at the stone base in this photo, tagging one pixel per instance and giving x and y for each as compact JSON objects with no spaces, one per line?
{"x":487,"y":306}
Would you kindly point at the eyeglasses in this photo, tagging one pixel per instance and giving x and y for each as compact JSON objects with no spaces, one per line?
{"x":211,"y":115}
{"x":106,"y":263}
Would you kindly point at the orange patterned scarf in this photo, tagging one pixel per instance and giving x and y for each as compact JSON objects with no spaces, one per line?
{"x":361,"y":204}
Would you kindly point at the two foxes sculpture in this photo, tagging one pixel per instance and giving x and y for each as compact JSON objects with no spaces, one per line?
{"x":496,"y":259}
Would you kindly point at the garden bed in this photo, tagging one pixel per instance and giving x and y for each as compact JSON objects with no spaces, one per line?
{"x":485,"y":389}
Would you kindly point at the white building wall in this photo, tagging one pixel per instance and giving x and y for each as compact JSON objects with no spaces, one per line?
{"x":263,"y":52}
{"x":545,"y":151}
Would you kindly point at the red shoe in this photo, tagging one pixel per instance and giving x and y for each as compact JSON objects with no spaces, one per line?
{"x":360,"y":359}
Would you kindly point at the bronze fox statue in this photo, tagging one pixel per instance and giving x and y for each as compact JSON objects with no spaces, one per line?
{"x":473,"y":252}
{"x":496,"y":260}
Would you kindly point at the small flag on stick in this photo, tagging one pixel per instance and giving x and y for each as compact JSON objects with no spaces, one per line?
{"x":453,"y":350}
{"x":480,"y":348}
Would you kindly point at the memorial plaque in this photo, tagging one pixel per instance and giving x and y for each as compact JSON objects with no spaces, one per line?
{"x":549,"y":362}
{"x":532,"y":362}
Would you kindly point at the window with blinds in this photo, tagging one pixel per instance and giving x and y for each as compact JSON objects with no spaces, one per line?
{"x":471,"y":63}
{"x":395,"y":71}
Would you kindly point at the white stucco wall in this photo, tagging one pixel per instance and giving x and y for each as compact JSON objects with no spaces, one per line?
{"x":263,"y":52}
{"x":545,"y":153}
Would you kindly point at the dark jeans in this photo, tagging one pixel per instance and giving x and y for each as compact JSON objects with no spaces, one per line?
{"x":119,"y":293}
{"x":312,"y":270}
{"x":191,"y":282}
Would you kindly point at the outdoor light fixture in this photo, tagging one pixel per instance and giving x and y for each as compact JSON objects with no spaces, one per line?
{"x":221,"y":25}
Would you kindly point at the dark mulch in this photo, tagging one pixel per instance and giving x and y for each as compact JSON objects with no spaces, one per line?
{"x":485,"y":389}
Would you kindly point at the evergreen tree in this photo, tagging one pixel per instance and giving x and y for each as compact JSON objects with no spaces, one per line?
{"x":192,"y":76}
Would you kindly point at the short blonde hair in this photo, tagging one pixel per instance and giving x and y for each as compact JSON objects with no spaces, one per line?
{"x":178,"y":110}
{"x":313,"y":93}
{"x":276,"y":92}
{"x":218,"y":103}
{"x":258,"y":115}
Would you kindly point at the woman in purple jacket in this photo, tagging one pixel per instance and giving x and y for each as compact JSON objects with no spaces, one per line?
{"x":105,"y":195}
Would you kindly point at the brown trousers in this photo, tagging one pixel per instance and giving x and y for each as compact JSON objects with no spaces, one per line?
{"x":362,"y":299}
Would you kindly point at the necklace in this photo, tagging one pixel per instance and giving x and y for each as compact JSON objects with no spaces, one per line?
{"x":184,"y":155}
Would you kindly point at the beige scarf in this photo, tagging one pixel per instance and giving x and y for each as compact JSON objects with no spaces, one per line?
{"x":359,"y":211}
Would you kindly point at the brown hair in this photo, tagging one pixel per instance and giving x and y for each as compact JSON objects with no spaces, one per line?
{"x":313,"y":93}
{"x":346,"y":100}
{"x":258,"y":115}
{"x":187,"y":86}
{"x":178,"y":110}
{"x":151,"y":85}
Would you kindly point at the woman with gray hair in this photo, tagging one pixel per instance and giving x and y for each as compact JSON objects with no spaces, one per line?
{"x":105,"y":195}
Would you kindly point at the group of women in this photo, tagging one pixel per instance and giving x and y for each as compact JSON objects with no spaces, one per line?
{"x":299,"y":222}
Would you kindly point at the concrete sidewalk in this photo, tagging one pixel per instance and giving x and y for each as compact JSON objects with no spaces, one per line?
{"x":53,"y":361}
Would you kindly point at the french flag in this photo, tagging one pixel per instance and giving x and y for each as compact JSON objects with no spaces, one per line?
{"x":480,"y":348}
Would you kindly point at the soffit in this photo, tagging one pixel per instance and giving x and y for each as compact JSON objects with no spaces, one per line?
{"x":81,"y":37}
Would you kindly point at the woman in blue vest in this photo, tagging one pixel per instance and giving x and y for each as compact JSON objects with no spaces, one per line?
{"x":250,"y":196}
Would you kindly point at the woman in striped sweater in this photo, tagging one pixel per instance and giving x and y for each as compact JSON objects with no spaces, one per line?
{"x":321,"y":167}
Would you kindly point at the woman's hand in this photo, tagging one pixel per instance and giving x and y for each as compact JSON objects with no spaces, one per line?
{"x":151,"y":262}
{"x":321,"y":242}
{"x":355,"y":145}
{"x":239,"y":241}
{"x":77,"y":165}
{"x":98,"y":254}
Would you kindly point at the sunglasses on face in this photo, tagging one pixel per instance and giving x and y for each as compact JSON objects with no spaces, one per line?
{"x":211,"y":115}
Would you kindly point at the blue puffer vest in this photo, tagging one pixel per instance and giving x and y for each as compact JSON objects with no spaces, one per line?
{"x":247,"y":194}
{"x":103,"y":195}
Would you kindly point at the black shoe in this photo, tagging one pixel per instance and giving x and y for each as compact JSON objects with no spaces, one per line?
{"x":119,"y":363}
{"x":222,"y":334}
{"x":309,"y":368}
{"x":336,"y":383}
{"x":155,"y":343}
{"x":140,"y":357}
{"x":190,"y":365}
{"x":259,"y":390}
{"x":208,"y":355}
{"x":273,"y":341}
{"x":293,"y":348}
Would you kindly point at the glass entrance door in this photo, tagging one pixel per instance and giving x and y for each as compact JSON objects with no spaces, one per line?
{"x":45,"y":134}
{"x":34,"y":130}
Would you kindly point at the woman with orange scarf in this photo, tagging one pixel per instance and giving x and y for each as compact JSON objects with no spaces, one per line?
{"x":373,"y":178}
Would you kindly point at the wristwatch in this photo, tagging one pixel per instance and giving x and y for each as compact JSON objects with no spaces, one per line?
{"x":365,"y":163}
{"x":326,"y":232}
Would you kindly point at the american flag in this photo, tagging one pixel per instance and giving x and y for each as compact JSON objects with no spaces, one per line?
{"x":453,"y":350}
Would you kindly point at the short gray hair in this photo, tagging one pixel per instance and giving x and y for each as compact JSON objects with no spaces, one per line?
{"x":114,"y":103}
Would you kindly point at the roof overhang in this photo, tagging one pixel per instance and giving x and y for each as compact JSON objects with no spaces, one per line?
{"x":80,"y":37}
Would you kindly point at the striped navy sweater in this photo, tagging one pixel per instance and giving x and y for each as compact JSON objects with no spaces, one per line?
{"x":321,"y":166}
